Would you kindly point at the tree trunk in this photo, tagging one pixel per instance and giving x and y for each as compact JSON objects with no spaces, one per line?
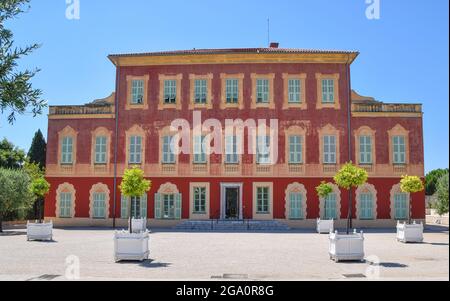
{"x":40,"y":202}
{"x":350,"y":209}
{"x":410,"y":209}
{"x":129,"y":215}
{"x":1,"y":221}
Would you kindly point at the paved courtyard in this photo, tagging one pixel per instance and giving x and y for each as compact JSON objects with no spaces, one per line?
{"x":206,"y":256}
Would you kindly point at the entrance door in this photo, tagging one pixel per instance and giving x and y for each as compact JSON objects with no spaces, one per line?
{"x":232,"y":203}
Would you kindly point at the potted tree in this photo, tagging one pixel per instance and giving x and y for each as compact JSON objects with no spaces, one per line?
{"x":39,"y":230}
{"x":411,"y":231}
{"x":130,"y":245}
{"x":324,"y":225}
{"x":349,"y":246}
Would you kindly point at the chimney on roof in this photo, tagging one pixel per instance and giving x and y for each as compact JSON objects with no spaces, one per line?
{"x":274,"y":45}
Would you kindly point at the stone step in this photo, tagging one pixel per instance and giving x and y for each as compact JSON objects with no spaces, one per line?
{"x":237,"y":225}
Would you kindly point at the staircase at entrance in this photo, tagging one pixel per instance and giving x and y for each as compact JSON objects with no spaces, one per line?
{"x":232,"y":225}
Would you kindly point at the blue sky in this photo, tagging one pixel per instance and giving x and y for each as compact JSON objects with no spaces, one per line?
{"x":404,"y":54}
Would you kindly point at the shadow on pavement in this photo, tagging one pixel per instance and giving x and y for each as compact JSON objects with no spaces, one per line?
{"x":149,"y":263}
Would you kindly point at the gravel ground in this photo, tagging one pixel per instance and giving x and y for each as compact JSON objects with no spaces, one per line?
{"x":205,"y":256}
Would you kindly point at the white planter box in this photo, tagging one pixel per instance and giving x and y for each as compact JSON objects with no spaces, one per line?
{"x":138,"y":225}
{"x":409,"y":232}
{"x":131,"y":246}
{"x":325,"y":226}
{"x":346,"y":247}
{"x":37,"y":231}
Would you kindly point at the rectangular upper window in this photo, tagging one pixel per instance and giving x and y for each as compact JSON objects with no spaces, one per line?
{"x":199,"y":151}
{"x":399,"y":149}
{"x":231,"y":154}
{"x":327,"y":91}
{"x":329,"y":149}
{"x":263,"y":149}
{"x":295,"y":149}
{"x":199,"y":200}
{"x":168,"y":157}
{"x":294,"y":86}
{"x":262,"y":90}
{"x":365,"y":150}
{"x":170,"y":91}
{"x":135,"y":150}
{"x":137,"y":91}
{"x":201,"y":90}
{"x":232,"y":90}
{"x":100,"y":150}
{"x":67,"y":150}
{"x":262,"y":200}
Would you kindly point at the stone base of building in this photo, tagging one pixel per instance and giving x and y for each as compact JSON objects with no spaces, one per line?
{"x":155,"y":223}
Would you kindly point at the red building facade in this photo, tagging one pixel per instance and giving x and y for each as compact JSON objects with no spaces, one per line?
{"x":322,"y":124}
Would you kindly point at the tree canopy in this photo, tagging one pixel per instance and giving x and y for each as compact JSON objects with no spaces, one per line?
{"x":441,"y":204}
{"x":17,"y":95}
{"x":350,"y":176}
{"x":38,"y":150}
{"x":10,"y":155}
{"x":324,"y":189}
{"x":431,"y":180}
{"x":133,"y":183}
{"x":411,"y":184}
{"x":15,"y":192}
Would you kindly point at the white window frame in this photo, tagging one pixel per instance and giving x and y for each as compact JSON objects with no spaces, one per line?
{"x":232,"y":90}
{"x":101,"y":149}
{"x":263,"y":150}
{"x":263,"y":200}
{"x":65,"y":205}
{"x":231,"y":153}
{"x":262,"y":90}
{"x":199,"y":152}
{"x":168,"y":157}
{"x":295,"y":149}
{"x":99,"y":205}
{"x":329,"y":149}
{"x":365,"y":149}
{"x":200,"y":91}
{"x":135,"y":156}
{"x":137,"y":91}
{"x":67,"y":150}
{"x":328,"y":90}
{"x":294,"y":90}
{"x":199,"y":200}
{"x":399,"y":149}
{"x":170,"y":91}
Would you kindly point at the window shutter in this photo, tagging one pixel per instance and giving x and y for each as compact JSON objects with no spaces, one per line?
{"x":144,"y":206}
{"x":124,"y":207}
{"x":158,"y":206}
{"x":178,"y":206}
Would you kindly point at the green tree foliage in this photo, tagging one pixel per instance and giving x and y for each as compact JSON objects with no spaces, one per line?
{"x":350,"y":176}
{"x":324,"y":189}
{"x":431,"y":180}
{"x":15,"y":192}
{"x":411,"y":184}
{"x":16,"y":92}
{"x":134,"y":185}
{"x":10,"y":155}
{"x":38,"y":150}
{"x":441,"y":204}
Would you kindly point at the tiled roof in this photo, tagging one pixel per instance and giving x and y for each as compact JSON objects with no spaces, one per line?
{"x":237,"y":50}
